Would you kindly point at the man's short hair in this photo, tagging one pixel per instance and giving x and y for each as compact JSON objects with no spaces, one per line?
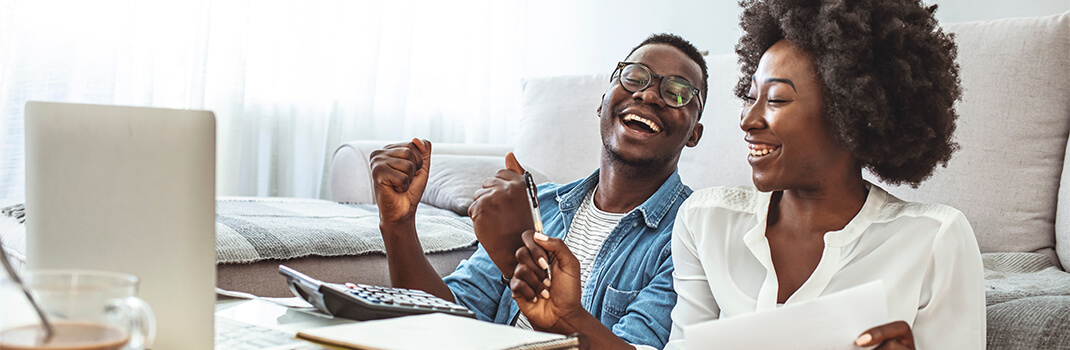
{"x":682,"y":45}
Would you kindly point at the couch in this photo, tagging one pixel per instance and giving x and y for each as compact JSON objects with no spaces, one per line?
{"x":1007,"y":178}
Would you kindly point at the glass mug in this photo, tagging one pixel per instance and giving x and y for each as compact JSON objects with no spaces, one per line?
{"x":88,"y":310}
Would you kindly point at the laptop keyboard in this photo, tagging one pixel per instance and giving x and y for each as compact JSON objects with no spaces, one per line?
{"x":236,"y":335}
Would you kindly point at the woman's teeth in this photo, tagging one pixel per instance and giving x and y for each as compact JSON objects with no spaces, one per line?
{"x":761,"y":152}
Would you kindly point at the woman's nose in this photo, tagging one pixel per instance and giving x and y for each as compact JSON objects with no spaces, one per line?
{"x":751,"y":117}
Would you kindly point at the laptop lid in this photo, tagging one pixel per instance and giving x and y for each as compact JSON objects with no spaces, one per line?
{"x":128,"y":189}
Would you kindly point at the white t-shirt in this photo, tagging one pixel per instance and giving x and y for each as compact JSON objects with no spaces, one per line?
{"x":925,"y":254}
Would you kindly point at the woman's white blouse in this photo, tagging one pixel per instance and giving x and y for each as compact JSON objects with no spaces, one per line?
{"x":925,"y":254}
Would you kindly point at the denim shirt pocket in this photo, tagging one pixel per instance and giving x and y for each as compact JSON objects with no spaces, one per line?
{"x":615,"y":304}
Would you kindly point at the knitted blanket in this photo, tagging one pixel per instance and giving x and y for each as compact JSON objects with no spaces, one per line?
{"x":254,"y":229}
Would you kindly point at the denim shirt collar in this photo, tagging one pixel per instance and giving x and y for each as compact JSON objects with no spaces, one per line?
{"x":653,"y":209}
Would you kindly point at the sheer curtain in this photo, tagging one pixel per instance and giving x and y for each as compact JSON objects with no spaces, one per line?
{"x":288,"y":80}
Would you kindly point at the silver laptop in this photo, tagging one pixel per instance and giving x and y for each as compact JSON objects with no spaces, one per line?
{"x":128,"y":189}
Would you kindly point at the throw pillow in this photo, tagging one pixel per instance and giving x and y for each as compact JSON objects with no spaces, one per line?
{"x":454,"y":179}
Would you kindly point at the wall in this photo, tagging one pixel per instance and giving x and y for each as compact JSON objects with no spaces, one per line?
{"x":564,"y":37}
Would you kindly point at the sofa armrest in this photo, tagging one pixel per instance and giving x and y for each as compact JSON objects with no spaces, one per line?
{"x":351,"y":180}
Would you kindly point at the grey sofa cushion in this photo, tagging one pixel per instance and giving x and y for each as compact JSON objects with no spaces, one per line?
{"x":1028,"y":300}
{"x":1040,"y":322}
{"x":1012,"y":276}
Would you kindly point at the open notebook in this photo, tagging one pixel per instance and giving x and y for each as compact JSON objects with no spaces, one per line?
{"x":436,"y":331}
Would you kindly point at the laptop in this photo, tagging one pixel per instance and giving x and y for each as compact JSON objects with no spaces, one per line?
{"x":128,"y":189}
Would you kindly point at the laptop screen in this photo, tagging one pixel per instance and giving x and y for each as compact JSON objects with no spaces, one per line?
{"x":128,"y":189}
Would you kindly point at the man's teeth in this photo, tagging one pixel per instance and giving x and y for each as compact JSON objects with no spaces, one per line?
{"x":650,"y":124}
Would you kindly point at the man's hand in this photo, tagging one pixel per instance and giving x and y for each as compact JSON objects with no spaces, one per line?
{"x":552,"y":305}
{"x":500,"y":213}
{"x":399,"y":174}
{"x":895,"y":335}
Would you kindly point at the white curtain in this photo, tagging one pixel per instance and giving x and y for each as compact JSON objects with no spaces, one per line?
{"x":288,"y":80}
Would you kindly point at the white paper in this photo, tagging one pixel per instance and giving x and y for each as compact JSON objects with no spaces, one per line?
{"x":829,"y":322}
{"x":291,"y":302}
{"x":429,"y":331}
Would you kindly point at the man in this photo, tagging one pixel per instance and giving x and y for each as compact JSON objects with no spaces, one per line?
{"x":618,"y":221}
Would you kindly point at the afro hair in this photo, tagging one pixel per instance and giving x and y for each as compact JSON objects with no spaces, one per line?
{"x":889,"y":74}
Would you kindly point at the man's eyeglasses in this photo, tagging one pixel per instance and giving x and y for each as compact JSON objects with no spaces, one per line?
{"x":676,"y":91}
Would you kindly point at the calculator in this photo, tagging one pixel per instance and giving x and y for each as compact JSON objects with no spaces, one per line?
{"x":363,"y":302}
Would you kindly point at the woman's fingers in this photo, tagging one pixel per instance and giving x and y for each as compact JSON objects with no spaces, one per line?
{"x":533,"y":274}
{"x":538,"y":255}
{"x":894,"y":335}
{"x":523,"y":281}
{"x":555,"y":247}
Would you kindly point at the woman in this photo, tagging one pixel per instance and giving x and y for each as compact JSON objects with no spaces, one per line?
{"x":830,"y":87}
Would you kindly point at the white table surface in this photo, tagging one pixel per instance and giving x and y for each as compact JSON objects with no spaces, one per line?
{"x":263,"y":312}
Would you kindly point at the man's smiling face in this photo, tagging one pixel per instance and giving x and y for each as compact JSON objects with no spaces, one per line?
{"x":638,"y":128}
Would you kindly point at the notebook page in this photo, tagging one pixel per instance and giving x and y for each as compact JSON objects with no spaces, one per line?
{"x":428,"y":331}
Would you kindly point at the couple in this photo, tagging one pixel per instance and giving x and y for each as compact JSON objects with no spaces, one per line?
{"x":828,"y":89}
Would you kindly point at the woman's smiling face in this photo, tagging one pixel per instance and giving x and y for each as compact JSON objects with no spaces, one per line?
{"x":790,"y":143}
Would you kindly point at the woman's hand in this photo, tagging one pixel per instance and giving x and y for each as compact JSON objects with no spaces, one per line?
{"x":895,"y":335}
{"x":552,"y":306}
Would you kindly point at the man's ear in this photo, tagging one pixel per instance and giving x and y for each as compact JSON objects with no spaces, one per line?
{"x":696,"y":134}
{"x":598,"y":111}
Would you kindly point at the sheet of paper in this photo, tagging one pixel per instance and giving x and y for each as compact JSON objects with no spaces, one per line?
{"x":427,"y":331}
{"x":830,"y":322}
{"x":293,"y":302}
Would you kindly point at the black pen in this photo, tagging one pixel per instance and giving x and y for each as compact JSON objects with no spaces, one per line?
{"x":536,"y":216}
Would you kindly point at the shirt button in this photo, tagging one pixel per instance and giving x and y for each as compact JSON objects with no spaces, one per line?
{"x":635,"y":224}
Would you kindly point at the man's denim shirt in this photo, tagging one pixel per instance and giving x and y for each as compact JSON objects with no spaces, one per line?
{"x":630,"y":284}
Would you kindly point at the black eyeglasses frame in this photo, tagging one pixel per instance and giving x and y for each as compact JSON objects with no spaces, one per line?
{"x":620,"y":70}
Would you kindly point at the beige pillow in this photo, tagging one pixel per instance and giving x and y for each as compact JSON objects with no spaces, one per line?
{"x":454,"y":179}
